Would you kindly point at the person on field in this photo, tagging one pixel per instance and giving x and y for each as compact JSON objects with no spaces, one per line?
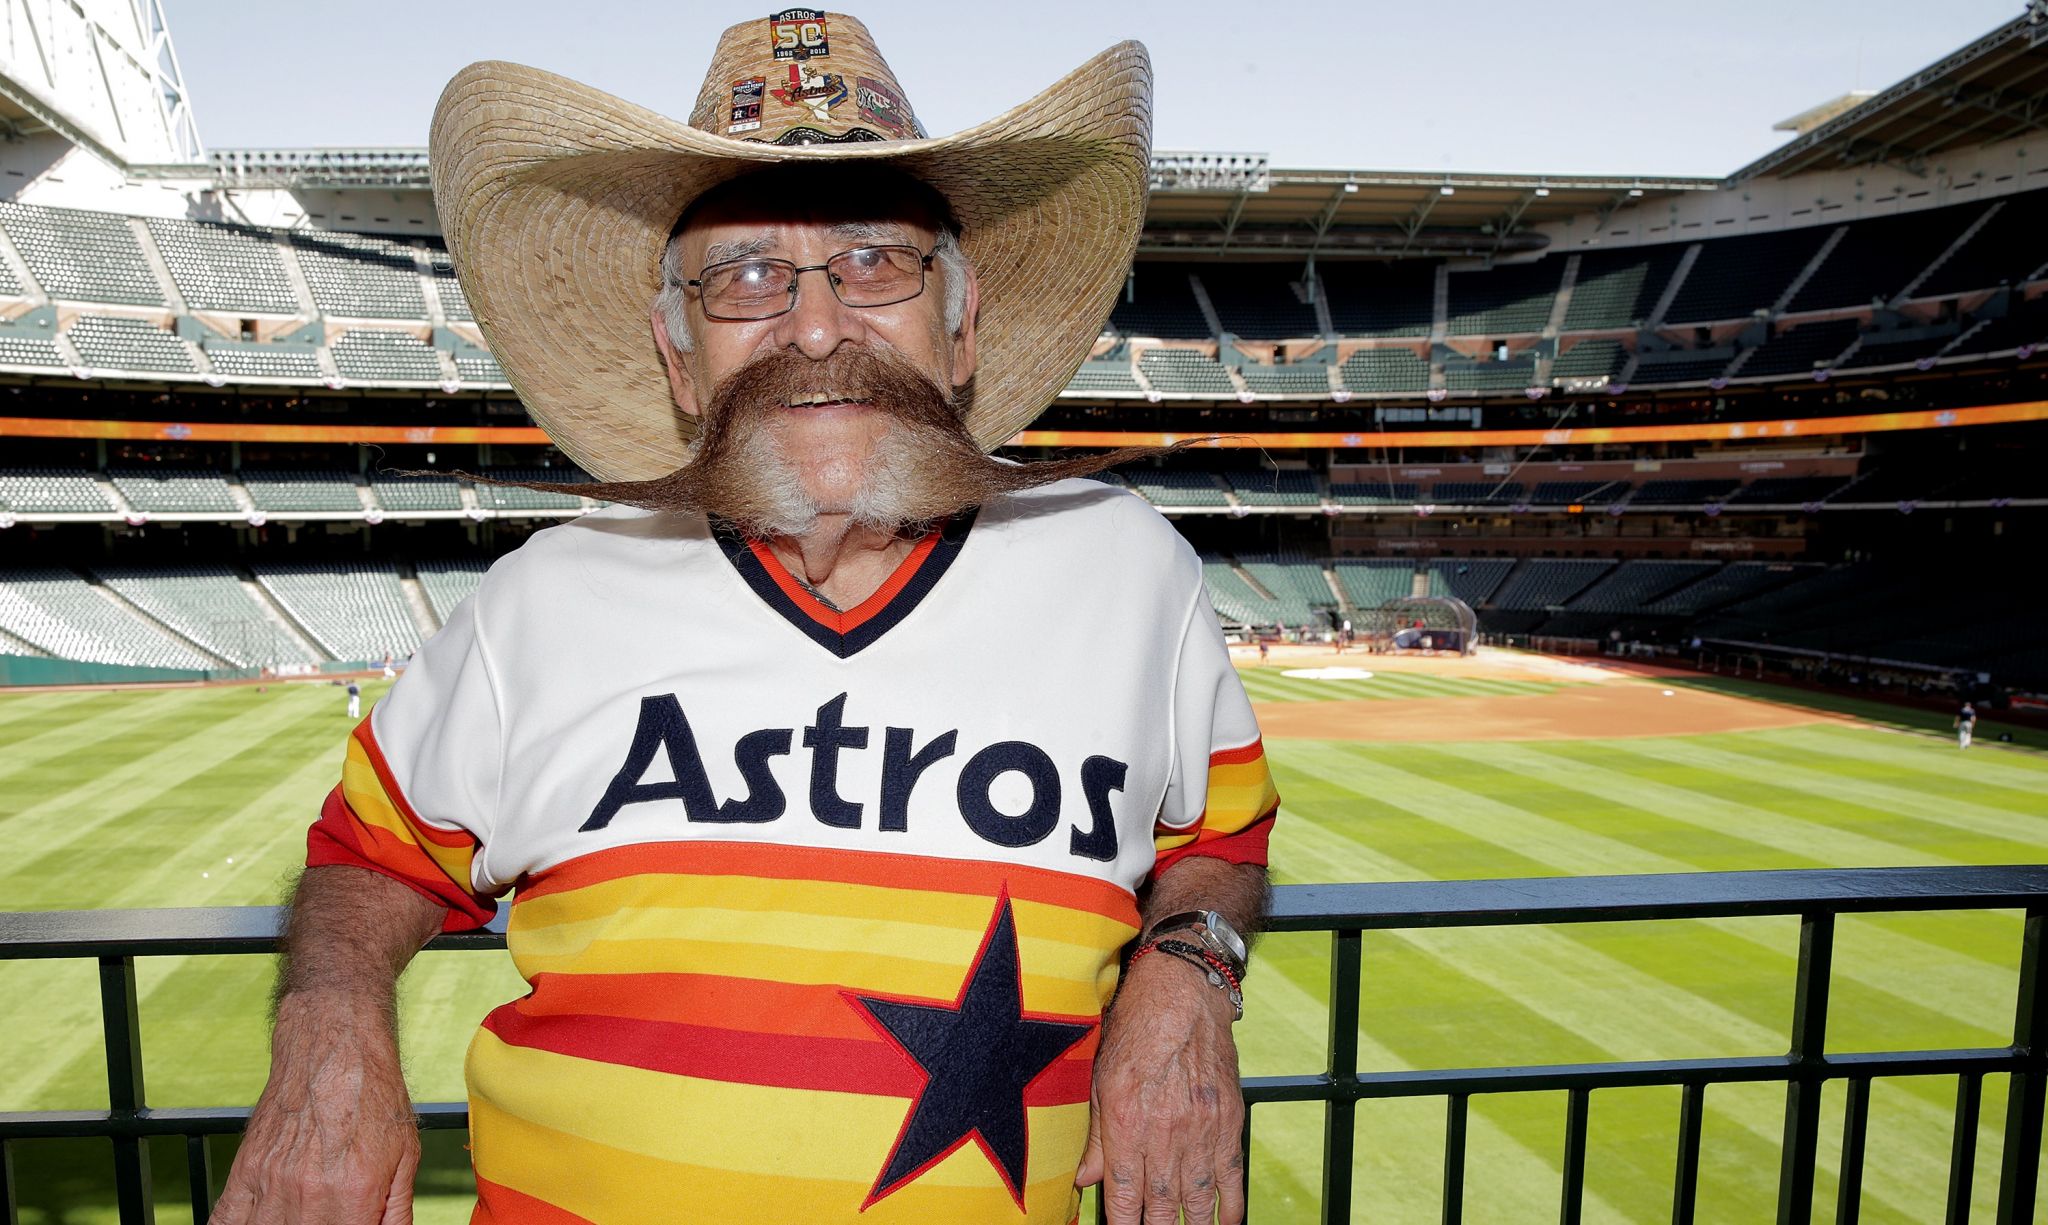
{"x":1965,"y":725}
{"x":824,"y":865}
{"x":355,"y":700}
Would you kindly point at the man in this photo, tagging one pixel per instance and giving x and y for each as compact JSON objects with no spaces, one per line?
{"x":824,"y":853}
{"x":1966,"y":723}
{"x":355,"y":700}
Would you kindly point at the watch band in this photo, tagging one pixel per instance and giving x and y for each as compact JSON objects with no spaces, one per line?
{"x":1212,"y":966}
{"x":1208,"y":929}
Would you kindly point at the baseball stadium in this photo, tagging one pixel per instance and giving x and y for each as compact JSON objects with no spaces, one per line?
{"x":1607,"y":560}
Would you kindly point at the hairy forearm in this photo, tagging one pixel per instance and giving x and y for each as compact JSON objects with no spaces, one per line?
{"x":1237,"y":891}
{"x":348,"y":934}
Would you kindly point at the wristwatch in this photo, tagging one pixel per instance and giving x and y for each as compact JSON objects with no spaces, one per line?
{"x":1211,"y":931}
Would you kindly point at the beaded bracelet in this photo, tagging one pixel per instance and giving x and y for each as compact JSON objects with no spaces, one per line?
{"x":1217,"y":970}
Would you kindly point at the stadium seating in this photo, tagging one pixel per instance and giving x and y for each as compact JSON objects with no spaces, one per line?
{"x":1385,"y":370}
{"x":1633,"y":584}
{"x":1788,"y":490}
{"x":18,"y":350}
{"x":287,"y":489}
{"x":225,"y":267}
{"x":1471,"y":579}
{"x":1880,"y":256}
{"x":1619,"y":289}
{"x":1876,"y":350}
{"x":1234,"y":599}
{"x":354,"y":610}
{"x":1490,"y":376}
{"x":1735,"y":277}
{"x":82,"y":256}
{"x":1284,"y":487}
{"x":208,"y":605}
{"x":1567,"y":493}
{"x":1185,"y":372}
{"x":1103,"y":376}
{"x":263,"y":361}
{"x":2009,"y":248}
{"x":2025,"y":324}
{"x":1300,"y":592}
{"x":1675,"y":366}
{"x":1476,"y":493}
{"x":10,"y":285}
{"x":61,"y":491}
{"x":1505,"y":300}
{"x":1589,"y":359}
{"x":159,"y":490}
{"x":355,"y":276}
{"x":1172,"y":487}
{"x":1380,"y":299}
{"x":1547,"y":582}
{"x":448,"y":582}
{"x":1736,"y":581}
{"x":1162,"y":305}
{"x":1801,"y":349}
{"x":481,"y":369}
{"x":514,"y":497}
{"x":1375,"y":493}
{"x":448,"y":290}
{"x":1371,"y":582}
{"x":112,"y":342}
{"x":1304,"y":380}
{"x":406,"y":493}
{"x":1679,"y":492}
{"x":58,"y":612}
{"x":379,"y":356}
{"x":1259,"y":301}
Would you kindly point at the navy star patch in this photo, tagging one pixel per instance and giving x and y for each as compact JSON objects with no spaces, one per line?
{"x":978,"y":1055}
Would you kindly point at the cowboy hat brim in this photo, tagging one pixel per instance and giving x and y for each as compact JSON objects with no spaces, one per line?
{"x":556,"y":201}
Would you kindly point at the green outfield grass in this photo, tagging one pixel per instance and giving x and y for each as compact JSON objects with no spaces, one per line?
{"x":201,"y":797}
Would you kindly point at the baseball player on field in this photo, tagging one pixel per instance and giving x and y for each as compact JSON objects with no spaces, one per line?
{"x":841,"y":891}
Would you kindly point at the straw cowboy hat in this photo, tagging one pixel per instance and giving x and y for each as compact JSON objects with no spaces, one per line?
{"x":557,"y":200}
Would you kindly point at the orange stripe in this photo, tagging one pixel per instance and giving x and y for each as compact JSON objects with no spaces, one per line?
{"x":497,"y":1204}
{"x":394,"y":793}
{"x":924,"y":873}
{"x":852,"y":619}
{"x":1237,"y":757}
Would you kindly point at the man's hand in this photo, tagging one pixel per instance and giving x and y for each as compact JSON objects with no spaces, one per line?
{"x":332,"y":1141}
{"x":1165,"y":1118}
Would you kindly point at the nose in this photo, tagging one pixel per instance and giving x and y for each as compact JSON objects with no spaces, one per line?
{"x":819,"y":323}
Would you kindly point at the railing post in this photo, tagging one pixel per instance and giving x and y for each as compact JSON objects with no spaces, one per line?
{"x":1572,"y":1201}
{"x":1855,"y":1127}
{"x":121,"y":1026}
{"x":1340,"y":1113}
{"x":1802,"y":1093}
{"x":2020,"y":1166}
{"x":1685,"y":1183}
{"x":1455,"y":1109}
{"x":1962,"y":1153}
{"x":8,"y":1214}
{"x":199,"y":1174}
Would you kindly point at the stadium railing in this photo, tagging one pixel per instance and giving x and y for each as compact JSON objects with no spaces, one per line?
{"x":116,"y":938}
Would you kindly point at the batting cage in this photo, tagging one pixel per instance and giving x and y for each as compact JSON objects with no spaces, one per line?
{"x":1435,"y":624}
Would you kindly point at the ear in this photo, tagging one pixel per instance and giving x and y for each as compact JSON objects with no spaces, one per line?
{"x":963,"y":340}
{"x":680,"y":386}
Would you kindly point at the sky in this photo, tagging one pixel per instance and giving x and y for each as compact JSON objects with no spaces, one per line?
{"x":1555,"y":86}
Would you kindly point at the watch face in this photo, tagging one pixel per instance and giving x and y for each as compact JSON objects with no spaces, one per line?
{"x":1224,"y":932}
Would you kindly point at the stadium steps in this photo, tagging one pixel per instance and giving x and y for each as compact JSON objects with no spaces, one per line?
{"x":260,"y":596}
{"x":416,"y":599}
{"x":1670,"y":294}
{"x":1558,"y":306}
{"x":1207,"y":307}
{"x":11,"y":264}
{"x":1948,"y":253}
{"x":131,"y":608}
{"x":153,"y":259}
{"x":302,"y":289}
{"x":10,"y":645}
{"x":1336,"y":588}
{"x":1245,"y":576}
{"x":1820,"y":257}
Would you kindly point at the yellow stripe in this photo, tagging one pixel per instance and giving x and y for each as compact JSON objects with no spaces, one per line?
{"x":364,"y":792}
{"x":630,"y":1145}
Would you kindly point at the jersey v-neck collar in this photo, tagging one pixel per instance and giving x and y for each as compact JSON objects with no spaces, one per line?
{"x":845,"y":632}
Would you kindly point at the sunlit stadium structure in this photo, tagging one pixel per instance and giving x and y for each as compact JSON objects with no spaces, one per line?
{"x":1791,"y":418}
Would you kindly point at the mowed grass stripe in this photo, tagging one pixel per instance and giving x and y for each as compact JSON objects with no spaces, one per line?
{"x":88,"y":729}
{"x":1952,"y":779}
{"x":1926,"y":756}
{"x":1270,"y":686}
{"x":28,"y":715}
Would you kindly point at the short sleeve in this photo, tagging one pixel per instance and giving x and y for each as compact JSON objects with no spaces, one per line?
{"x":1220,"y":800}
{"x":419,"y":783}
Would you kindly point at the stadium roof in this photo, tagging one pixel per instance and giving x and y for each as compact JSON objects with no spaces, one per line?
{"x":1994,"y":89}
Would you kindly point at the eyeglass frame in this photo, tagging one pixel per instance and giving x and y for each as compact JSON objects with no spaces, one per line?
{"x":797,"y":271}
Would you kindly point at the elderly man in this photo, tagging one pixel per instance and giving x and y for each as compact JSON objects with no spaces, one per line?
{"x":837,"y":767}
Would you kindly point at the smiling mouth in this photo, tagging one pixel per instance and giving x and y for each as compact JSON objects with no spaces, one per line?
{"x":831,"y":399}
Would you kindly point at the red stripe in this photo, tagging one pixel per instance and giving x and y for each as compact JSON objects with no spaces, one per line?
{"x":340,"y":839}
{"x":924,"y":873}
{"x":1247,"y":845}
{"x":497,"y":1204}
{"x":853,"y":618}
{"x":1239,"y":756}
{"x":834,"y":1065}
{"x":393,"y":792}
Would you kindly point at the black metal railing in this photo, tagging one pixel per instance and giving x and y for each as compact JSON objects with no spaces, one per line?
{"x":116,"y":938}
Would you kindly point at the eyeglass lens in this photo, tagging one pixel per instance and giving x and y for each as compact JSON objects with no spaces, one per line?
{"x":764,"y":288}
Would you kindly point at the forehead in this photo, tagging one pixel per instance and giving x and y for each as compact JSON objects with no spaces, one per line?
{"x":786,"y":209}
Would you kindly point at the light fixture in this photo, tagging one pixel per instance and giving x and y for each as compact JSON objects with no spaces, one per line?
{"x":1635,"y":191}
{"x":1351,"y":189}
{"x":1447,"y":190}
{"x":1542,"y":191}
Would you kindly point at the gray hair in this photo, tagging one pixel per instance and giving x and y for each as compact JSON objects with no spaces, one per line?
{"x":946,"y":251}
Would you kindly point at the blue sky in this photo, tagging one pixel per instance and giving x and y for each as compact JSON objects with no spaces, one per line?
{"x":1561,"y":87}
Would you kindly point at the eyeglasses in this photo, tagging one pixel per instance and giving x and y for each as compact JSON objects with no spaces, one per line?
{"x":745,"y":290}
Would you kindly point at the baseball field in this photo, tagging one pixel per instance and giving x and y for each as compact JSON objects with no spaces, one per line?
{"x":1401,"y":769}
